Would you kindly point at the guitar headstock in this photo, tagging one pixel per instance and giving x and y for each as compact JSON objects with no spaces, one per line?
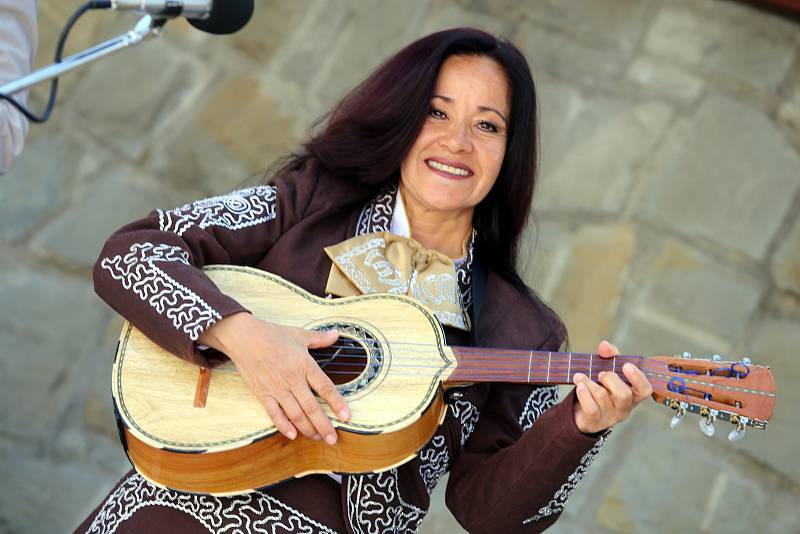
{"x":739,"y":392}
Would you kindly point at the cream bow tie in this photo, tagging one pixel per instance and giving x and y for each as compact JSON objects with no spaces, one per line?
{"x":382,"y":262}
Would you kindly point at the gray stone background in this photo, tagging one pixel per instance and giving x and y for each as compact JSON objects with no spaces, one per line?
{"x":667,"y":221}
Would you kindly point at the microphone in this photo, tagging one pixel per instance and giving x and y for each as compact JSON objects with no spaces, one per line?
{"x":219,"y":17}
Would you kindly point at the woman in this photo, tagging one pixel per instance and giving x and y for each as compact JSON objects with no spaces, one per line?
{"x":438,"y":144}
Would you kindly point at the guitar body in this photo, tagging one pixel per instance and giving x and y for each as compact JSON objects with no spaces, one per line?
{"x":226,"y":444}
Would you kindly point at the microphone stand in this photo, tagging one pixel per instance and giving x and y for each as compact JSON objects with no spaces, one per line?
{"x":145,"y":28}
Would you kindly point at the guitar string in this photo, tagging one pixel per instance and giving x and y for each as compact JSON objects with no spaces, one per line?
{"x":657,"y":378}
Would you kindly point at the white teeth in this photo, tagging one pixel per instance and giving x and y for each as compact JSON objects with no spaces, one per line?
{"x":446,"y":168}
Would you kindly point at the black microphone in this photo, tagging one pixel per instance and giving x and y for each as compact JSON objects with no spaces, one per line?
{"x":211,"y":16}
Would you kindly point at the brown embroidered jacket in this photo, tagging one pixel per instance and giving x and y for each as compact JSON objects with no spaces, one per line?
{"x":514,"y":454}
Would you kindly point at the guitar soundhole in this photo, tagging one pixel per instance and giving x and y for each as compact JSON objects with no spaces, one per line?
{"x":354,"y":361}
{"x":344,"y":361}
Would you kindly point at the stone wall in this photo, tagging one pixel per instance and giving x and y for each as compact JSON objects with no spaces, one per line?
{"x":667,"y":220}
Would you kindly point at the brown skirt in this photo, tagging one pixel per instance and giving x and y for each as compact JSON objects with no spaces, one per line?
{"x":308,"y":505}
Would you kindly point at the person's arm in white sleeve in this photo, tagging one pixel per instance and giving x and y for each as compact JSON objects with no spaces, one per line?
{"x":18,"y":35}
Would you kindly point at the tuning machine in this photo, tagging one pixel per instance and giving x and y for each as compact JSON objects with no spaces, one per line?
{"x":707,"y":418}
{"x":680,"y":411}
{"x":741,"y":423}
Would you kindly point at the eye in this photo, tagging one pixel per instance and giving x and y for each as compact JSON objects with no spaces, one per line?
{"x":488,"y":126}
{"x":437,"y":113}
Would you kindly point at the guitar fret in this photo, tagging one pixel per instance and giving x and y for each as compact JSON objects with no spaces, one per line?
{"x":549,"y":356}
{"x":591,"y":357}
{"x":614,"y":364}
{"x":569,"y":367}
{"x":530,"y":359}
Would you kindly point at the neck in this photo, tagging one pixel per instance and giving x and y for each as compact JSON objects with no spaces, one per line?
{"x":476,"y":364}
{"x":445,"y":231}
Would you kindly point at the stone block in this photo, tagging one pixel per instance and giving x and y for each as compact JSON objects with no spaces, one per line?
{"x":44,"y":344}
{"x":591,"y":282}
{"x":368,"y":37}
{"x":785,"y":264}
{"x":272,"y":23}
{"x":129,"y":102}
{"x":775,"y":343}
{"x":246,"y":120}
{"x":443,"y":16}
{"x":591,"y":148}
{"x":43,"y":495}
{"x":610,"y":24}
{"x":662,"y":480}
{"x":78,"y":234}
{"x":686,"y":301}
{"x":663,"y":79}
{"x":544,"y":253}
{"x":300,"y":60}
{"x":568,"y":56}
{"x":724,"y":39}
{"x":725,"y":174}
{"x":36,"y":187}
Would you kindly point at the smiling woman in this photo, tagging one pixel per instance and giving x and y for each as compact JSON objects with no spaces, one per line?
{"x":458,"y":154}
{"x":419,"y":183}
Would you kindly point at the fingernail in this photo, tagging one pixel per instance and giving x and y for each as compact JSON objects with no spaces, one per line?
{"x":316,"y":437}
{"x":578,"y":377}
{"x":330,"y":439}
{"x":291,"y":434}
{"x":628,"y":367}
{"x":344,"y":414}
{"x":581,"y":387}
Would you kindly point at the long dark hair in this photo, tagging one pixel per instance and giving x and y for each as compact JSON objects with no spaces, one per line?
{"x":368,"y":133}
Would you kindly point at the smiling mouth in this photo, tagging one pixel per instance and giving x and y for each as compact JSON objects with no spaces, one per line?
{"x":448,"y":169}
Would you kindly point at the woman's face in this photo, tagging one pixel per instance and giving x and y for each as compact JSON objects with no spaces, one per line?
{"x":456,"y":159}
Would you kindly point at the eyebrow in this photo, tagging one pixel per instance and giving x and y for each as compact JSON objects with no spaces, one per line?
{"x":482,"y":108}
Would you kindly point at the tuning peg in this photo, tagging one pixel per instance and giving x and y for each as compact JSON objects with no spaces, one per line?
{"x":687,"y":355}
{"x":746,"y":361}
{"x":716,"y":358}
{"x":706,"y":422}
{"x":738,"y":433}
{"x":680,"y":411}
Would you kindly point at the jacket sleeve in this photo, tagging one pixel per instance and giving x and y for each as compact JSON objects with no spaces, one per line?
{"x":522,"y":462}
{"x":150,"y":270}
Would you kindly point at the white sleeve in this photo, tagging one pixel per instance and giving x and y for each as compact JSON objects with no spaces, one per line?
{"x":18,"y":35}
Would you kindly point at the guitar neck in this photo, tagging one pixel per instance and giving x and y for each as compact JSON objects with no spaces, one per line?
{"x":477,"y":364}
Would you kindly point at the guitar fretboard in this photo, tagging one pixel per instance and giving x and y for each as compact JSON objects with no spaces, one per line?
{"x":532,"y":367}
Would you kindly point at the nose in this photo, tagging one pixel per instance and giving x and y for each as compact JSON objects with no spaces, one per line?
{"x":457,"y":138}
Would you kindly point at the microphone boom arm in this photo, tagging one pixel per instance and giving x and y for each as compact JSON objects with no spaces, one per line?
{"x":146,"y":27}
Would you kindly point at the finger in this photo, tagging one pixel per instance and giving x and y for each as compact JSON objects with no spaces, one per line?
{"x":279,"y":419}
{"x":641,"y":386}
{"x":591,"y":409}
{"x":325,"y":388}
{"x":621,"y":393}
{"x":607,"y":350}
{"x":599,"y":394}
{"x":296,"y":415}
{"x":319,"y":340}
{"x":310,"y":405}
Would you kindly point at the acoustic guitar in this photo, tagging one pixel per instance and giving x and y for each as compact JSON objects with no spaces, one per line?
{"x":201,"y":430}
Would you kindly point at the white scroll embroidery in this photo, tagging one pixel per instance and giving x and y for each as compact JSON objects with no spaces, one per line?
{"x":559,"y":500}
{"x":240,"y":209}
{"x":434,"y":462}
{"x":256,"y":512}
{"x":540,"y":400}
{"x":137,"y":271}
{"x":376,"y":507}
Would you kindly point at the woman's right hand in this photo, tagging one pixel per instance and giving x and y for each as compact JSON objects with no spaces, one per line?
{"x":275,"y":364}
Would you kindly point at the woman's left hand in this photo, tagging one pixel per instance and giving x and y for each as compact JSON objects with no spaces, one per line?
{"x":608,"y":401}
